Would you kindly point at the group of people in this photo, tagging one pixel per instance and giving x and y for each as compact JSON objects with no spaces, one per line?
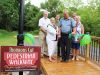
{"x":54,"y":36}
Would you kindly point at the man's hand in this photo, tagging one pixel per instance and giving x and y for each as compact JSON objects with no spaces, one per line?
{"x":74,"y":31}
{"x":43,"y":30}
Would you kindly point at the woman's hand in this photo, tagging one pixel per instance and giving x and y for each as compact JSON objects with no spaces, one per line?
{"x":73,"y":33}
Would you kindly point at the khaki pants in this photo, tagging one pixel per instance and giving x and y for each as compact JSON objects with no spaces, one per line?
{"x":42,"y":40}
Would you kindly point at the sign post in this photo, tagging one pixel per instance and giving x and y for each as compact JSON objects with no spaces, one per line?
{"x":20,"y":58}
{"x":20,"y":36}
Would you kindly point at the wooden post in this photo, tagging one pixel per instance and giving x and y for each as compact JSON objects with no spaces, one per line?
{"x":87,"y":52}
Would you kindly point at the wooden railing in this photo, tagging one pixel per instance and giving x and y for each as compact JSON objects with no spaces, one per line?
{"x":92,"y":51}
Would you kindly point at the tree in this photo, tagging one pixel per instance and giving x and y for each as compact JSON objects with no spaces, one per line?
{"x":8,"y":14}
{"x":72,"y":3}
{"x":90,"y":13}
{"x":31,"y":13}
{"x":53,"y":6}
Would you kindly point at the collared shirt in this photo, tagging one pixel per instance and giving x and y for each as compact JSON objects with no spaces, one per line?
{"x":67,"y":25}
{"x":44,"y":22}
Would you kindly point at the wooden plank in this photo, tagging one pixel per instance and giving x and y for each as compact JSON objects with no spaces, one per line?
{"x":68,"y":68}
{"x":5,"y":73}
{"x":95,"y":38}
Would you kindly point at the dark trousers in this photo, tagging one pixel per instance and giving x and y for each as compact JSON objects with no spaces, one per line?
{"x":59,"y":47}
{"x":65,"y":46}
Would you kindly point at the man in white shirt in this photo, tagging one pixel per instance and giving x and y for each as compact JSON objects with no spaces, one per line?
{"x":43,"y":22}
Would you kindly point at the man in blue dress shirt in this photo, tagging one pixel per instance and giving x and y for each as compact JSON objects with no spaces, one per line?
{"x":67,"y":26}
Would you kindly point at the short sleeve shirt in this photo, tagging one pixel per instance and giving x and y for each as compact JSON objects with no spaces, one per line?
{"x":67,"y":25}
{"x":44,"y":22}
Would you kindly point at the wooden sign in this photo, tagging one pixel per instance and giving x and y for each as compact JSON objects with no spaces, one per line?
{"x":20,"y":58}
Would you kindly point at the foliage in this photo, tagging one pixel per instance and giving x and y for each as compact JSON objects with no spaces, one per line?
{"x":53,"y":6}
{"x":8,"y":14}
{"x":89,"y":13}
{"x":32,"y":15}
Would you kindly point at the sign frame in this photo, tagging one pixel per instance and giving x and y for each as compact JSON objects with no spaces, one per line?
{"x":29,"y":55}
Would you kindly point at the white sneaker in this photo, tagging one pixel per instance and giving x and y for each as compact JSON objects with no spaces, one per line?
{"x":77,"y":58}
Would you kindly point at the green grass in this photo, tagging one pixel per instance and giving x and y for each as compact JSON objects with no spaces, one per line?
{"x":10,"y":38}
